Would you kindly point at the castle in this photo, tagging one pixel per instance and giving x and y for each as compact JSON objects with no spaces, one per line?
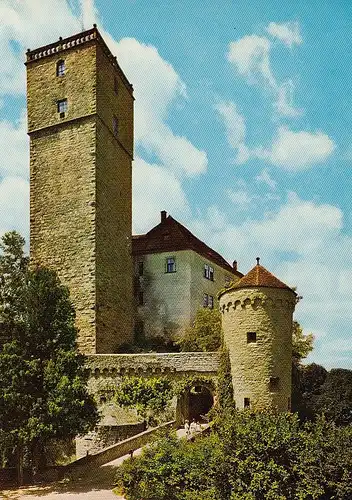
{"x":80,"y":124}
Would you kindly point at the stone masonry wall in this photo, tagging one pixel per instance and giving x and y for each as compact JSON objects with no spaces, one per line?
{"x":62,"y":177}
{"x":80,"y":209}
{"x":114,"y":207}
{"x":268,"y":312}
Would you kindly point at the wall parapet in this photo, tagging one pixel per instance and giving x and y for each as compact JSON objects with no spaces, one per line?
{"x":115,"y":365}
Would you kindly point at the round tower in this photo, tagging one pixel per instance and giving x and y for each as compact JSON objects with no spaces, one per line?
{"x":257,"y":324}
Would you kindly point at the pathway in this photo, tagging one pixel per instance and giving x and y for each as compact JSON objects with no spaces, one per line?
{"x":95,"y":484}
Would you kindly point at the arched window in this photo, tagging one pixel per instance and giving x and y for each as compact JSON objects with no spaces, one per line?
{"x":60,"y":68}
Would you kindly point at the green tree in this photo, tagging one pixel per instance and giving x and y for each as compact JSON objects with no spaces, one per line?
{"x":43,"y":394}
{"x":205,"y":334}
{"x":334,"y":399}
{"x":149,"y":396}
{"x":247,"y":456}
{"x":306,"y":383}
{"x":302,"y":344}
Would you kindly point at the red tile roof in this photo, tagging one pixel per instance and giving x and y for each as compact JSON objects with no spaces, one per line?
{"x":258,"y":277}
{"x":170,"y":236}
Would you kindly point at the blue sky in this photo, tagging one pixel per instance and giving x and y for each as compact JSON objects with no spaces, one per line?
{"x":243,"y":131}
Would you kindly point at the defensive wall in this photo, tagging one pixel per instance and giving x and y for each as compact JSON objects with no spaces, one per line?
{"x":115,"y":366}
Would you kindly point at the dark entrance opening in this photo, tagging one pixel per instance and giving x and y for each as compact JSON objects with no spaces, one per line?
{"x":200,"y":402}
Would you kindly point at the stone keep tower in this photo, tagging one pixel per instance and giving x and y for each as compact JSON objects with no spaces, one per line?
{"x":80,"y":124}
{"x":257,"y":323}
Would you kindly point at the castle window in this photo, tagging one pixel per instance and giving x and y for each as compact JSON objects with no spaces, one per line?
{"x":208,"y":301}
{"x":208,"y":272}
{"x":60,"y":68}
{"x":274,"y":384}
{"x":116,"y":85}
{"x":251,"y":337}
{"x":170,"y":265}
{"x":140,"y":268}
{"x":246,"y":403}
{"x":115,"y":126}
{"x":62,"y":107}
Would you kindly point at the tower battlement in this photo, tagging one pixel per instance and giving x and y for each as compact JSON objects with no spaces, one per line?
{"x":64,"y":44}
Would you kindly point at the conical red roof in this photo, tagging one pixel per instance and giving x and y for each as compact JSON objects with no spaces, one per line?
{"x":258,"y":277}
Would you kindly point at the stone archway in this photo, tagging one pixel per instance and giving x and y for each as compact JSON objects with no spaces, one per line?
{"x":200,"y":402}
{"x":195,"y":403}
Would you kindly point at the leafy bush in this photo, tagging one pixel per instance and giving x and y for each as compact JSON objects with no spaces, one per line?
{"x":247,"y":456}
{"x":150,"y":396}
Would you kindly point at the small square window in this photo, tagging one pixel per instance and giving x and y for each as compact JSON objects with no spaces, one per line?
{"x":60,"y":68}
{"x":62,"y":107}
{"x":140,"y":268}
{"x":115,"y":126}
{"x":170,"y":265}
{"x":251,"y":337}
{"x":246,"y":403}
{"x":274,"y":384}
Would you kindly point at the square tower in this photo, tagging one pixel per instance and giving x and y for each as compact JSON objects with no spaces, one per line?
{"x":80,"y":124}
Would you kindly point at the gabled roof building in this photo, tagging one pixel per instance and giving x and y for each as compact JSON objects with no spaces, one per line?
{"x":175,"y":275}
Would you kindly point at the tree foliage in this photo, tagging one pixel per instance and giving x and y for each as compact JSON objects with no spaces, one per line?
{"x":149,"y":396}
{"x":334,"y":398}
{"x":302,"y":344}
{"x":43,"y":393}
{"x":247,"y":456}
{"x":205,"y":332}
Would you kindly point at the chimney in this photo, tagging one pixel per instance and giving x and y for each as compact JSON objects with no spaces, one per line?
{"x":234,"y":265}
{"x":163,"y":215}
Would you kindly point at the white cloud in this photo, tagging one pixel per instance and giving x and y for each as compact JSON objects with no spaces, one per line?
{"x":240,"y":197}
{"x":14,"y":146}
{"x":296,"y":151}
{"x":251,"y":57}
{"x":284,"y":102}
{"x":288,"y":33}
{"x":25,"y":24}
{"x":264,"y":177}
{"x":235,"y":129}
{"x":154,"y":96}
{"x":164,"y":193}
{"x":14,"y":205}
{"x":89,"y":13}
{"x":303,"y":243}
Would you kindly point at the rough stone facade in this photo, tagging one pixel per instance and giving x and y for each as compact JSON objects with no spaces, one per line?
{"x":260,"y":368}
{"x":81,"y":182}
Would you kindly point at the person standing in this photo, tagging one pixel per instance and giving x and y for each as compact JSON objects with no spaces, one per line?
{"x":186,"y":426}
{"x":193,"y":428}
